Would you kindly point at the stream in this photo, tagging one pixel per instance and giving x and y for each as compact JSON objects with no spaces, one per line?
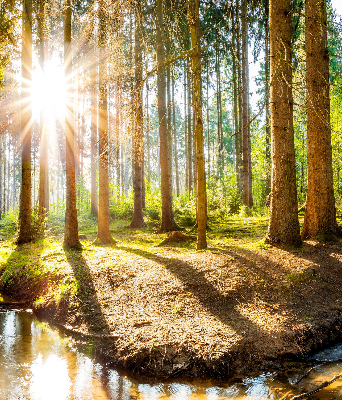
{"x":40,"y":363}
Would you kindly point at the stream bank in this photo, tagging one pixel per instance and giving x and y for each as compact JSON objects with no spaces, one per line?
{"x":170,"y":311}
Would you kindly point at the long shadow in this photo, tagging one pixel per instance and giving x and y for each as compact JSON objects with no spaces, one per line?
{"x":86,"y":293}
{"x":222,"y":306}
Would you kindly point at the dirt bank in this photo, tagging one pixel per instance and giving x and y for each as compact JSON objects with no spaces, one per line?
{"x":171,"y":311}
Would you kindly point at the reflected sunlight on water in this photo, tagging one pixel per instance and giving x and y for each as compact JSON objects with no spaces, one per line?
{"x":37,"y":363}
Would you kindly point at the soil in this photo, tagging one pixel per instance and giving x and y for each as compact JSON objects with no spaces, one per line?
{"x":173,"y":311}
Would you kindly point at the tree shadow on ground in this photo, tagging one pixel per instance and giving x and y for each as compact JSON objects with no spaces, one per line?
{"x":86,"y":293}
{"x":223,"y":306}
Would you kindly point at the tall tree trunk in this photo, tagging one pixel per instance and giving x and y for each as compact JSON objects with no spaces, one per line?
{"x":138,"y":144}
{"x":175,"y":136}
{"x":103,"y":233}
{"x":190,"y":131}
{"x":71,"y":239}
{"x":219,"y":112}
{"x":240,"y":89}
{"x":245,"y":110}
{"x":43,"y":159}
{"x":93,"y":148}
{"x":148,"y":134}
{"x":320,"y":212}
{"x":267,"y":100}
{"x":208,"y":121}
{"x":186,"y":126}
{"x":25,"y":229}
{"x":168,"y":223}
{"x":194,"y":23}
{"x":283,"y":226}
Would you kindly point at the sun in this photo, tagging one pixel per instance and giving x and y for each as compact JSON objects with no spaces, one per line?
{"x":49,"y":91}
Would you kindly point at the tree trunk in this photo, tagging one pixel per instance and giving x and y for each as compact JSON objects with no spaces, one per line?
{"x":283,"y":226}
{"x":186,"y":126}
{"x":189,"y":130}
{"x":138,"y":144}
{"x":25,"y":229}
{"x":247,"y":198}
{"x":103,"y":233}
{"x":43,"y":159}
{"x":267,"y":100}
{"x":237,"y":138}
{"x":208,"y":121}
{"x":193,"y":21}
{"x":219,"y":113}
{"x":320,"y":212}
{"x":71,"y":223}
{"x":93,"y":149}
{"x":175,"y":136}
{"x":168,"y":223}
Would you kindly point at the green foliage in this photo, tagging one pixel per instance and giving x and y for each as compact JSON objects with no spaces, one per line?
{"x":56,"y":218}
{"x":152,"y":204}
{"x":185,"y":209}
{"x":9,"y":223}
{"x":121,"y":206}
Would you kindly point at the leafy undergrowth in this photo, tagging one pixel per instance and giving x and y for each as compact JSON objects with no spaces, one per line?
{"x":171,"y":310}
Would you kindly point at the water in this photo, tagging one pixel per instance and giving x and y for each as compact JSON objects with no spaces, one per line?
{"x":39,"y":363}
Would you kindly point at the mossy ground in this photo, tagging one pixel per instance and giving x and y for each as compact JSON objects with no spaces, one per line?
{"x":172,"y":310}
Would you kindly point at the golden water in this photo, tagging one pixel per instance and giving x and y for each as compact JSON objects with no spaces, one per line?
{"x":38,"y":363}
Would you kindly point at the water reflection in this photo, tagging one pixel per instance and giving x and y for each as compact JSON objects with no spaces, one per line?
{"x":37,"y":363}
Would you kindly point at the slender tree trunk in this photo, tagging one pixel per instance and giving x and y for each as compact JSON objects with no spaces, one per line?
{"x":238,"y":160}
{"x":138,"y":145}
{"x":320,"y":213}
{"x":186,"y":127}
{"x":193,"y":21}
{"x":148,"y":134}
{"x":245,"y":109}
{"x":283,"y":226}
{"x":93,"y":149}
{"x":219,"y":113}
{"x":240,"y":90}
{"x":175,"y":136}
{"x":25,"y":229}
{"x":71,"y":223}
{"x":168,"y":223}
{"x":103,"y":233}
{"x":43,"y":159}
{"x":190,"y":131}
{"x":267,"y":100}
{"x":208,"y":121}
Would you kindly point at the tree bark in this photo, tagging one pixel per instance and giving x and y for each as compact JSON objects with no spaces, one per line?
{"x":267,"y":100}
{"x":168,"y":223}
{"x":247,"y":195}
{"x":194,"y":23}
{"x":320,"y":212}
{"x":138,"y":144}
{"x":283,"y":226}
{"x":103,"y":233}
{"x":93,"y":149}
{"x":175,"y":136}
{"x":71,"y":239}
{"x":25,"y":228}
{"x":43,"y":159}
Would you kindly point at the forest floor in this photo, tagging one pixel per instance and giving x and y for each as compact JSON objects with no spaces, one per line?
{"x":170,"y":310}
